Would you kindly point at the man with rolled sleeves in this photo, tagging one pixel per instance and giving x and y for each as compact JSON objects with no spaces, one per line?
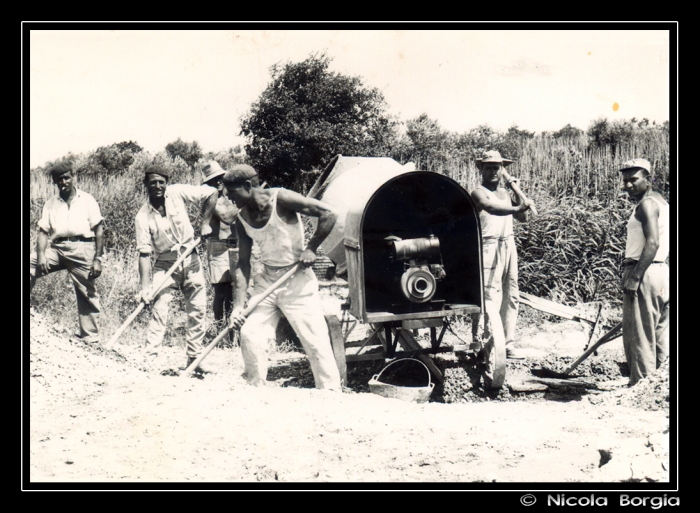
{"x":645,"y":279}
{"x":70,"y":237}
{"x":163,"y":229}
{"x":222,"y":243}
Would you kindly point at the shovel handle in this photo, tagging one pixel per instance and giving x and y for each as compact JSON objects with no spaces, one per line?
{"x":516,"y":189}
{"x":254,"y":302}
{"x":610,"y":335}
{"x":170,"y":271}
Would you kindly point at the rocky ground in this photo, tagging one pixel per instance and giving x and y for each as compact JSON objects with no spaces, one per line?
{"x":126,"y":416}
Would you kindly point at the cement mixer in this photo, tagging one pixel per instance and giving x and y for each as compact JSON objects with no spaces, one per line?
{"x":408,"y":243}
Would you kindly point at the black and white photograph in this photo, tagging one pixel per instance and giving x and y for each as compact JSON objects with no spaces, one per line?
{"x":351,"y":257}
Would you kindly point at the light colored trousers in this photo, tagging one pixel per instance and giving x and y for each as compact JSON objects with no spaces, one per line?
{"x":76,"y":257}
{"x":298,"y":300}
{"x":501,"y":296}
{"x":189,"y":278}
{"x":645,"y":322}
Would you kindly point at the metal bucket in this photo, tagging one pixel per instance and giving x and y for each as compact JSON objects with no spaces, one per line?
{"x":417,"y":394}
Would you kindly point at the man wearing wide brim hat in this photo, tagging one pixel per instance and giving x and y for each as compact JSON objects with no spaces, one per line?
{"x":494,"y":332}
{"x":222,"y":243}
{"x":645,"y":279}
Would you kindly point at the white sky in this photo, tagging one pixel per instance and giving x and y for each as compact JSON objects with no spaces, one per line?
{"x":94,"y":88}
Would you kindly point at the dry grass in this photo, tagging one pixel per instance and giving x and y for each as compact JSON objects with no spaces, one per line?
{"x":570,"y":252}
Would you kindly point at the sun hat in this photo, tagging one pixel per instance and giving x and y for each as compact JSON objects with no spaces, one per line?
{"x":493,"y":156}
{"x":636,"y":164}
{"x":212,"y":170}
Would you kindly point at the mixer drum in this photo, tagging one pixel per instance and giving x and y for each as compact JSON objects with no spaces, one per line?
{"x":410,"y":241}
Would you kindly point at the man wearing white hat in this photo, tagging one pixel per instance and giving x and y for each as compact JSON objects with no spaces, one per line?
{"x":645,"y":279}
{"x":222,"y":243}
{"x":497,"y":207}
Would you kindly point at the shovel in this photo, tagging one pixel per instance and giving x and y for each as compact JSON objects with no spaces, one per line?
{"x":548,"y":373}
{"x":142,"y":304}
{"x":254,"y":302}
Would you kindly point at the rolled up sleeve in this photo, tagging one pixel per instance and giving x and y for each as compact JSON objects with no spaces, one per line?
{"x":94,"y":214}
{"x":193,"y":193}
{"x":143,"y":234}
{"x":45,"y":221}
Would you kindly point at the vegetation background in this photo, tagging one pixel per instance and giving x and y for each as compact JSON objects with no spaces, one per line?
{"x":571,"y":252}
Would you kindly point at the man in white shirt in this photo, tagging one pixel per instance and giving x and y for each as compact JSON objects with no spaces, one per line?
{"x":71,"y":237}
{"x":645,"y":280}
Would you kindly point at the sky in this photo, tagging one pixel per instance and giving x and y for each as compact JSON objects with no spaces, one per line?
{"x":94,"y":88}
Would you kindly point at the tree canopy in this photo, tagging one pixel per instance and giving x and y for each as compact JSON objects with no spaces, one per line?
{"x":189,"y":152}
{"x":308,"y":114}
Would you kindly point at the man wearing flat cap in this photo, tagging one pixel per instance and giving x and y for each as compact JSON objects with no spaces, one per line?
{"x":497,"y":208}
{"x":270,"y":218}
{"x":163,"y":228}
{"x":70,"y":237}
{"x":645,"y":278}
{"x":222,"y":243}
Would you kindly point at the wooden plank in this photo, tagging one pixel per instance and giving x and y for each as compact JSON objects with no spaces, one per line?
{"x":411,"y":344}
{"x":551,"y":307}
{"x":360,"y":343}
{"x":573,"y":382}
{"x":527,"y":386}
{"x":337,"y":343}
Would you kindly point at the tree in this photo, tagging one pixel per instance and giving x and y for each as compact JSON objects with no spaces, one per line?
{"x":189,"y":152}
{"x":307,"y":114}
{"x":113,"y":159}
{"x":568,"y":132}
{"x":426,"y":143}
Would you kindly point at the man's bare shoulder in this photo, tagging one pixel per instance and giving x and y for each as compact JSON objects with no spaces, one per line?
{"x":647,"y":209}
{"x":659,"y":197}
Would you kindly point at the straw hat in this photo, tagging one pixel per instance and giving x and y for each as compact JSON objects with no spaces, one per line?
{"x":212,"y":170}
{"x":492,"y":156}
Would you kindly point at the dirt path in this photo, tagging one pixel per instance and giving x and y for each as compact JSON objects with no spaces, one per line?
{"x":97,"y":417}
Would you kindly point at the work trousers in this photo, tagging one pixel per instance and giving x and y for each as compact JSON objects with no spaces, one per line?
{"x":497,"y":326}
{"x":189,"y":278}
{"x":645,"y":322}
{"x":223,"y":259}
{"x":76,"y":257}
{"x":298,"y":300}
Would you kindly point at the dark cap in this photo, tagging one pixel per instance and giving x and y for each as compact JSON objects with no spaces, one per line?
{"x":155,"y":169}
{"x":61,"y":168}
{"x":238,"y":174}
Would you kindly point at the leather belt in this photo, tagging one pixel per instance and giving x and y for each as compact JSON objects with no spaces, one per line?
{"x":228,"y":242}
{"x":79,"y":238}
{"x":634,"y":262}
{"x":275,"y":269}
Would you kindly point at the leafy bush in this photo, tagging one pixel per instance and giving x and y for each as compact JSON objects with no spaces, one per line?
{"x":307,"y":115}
